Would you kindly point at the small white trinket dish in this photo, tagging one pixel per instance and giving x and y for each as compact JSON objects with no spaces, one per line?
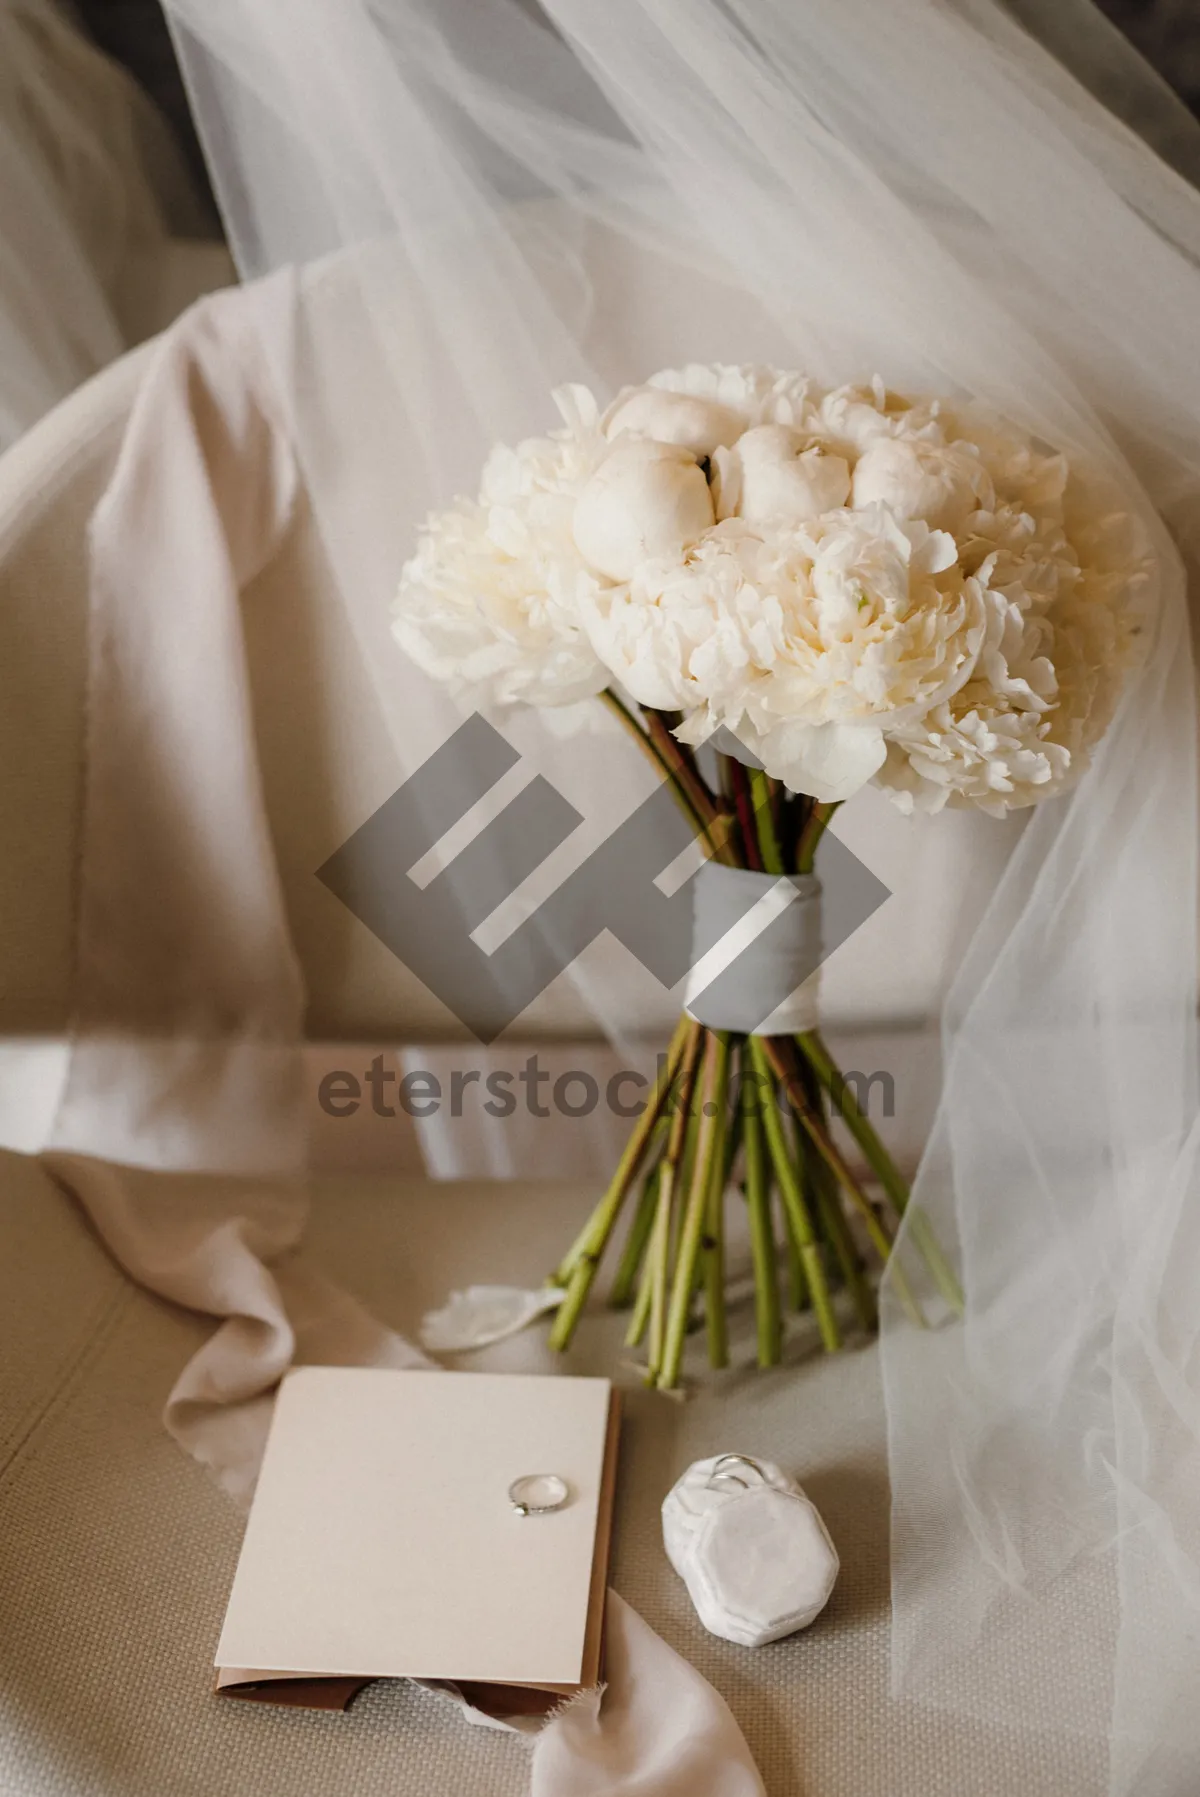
{"x":750,"y":1547}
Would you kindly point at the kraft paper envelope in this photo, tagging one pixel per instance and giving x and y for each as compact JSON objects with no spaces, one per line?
{"x":382,"y":1543}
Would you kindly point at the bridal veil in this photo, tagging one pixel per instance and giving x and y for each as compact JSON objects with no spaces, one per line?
{"x":488,"y":199}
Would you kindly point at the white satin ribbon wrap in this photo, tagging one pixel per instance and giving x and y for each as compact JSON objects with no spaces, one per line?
{"x":759,"y":977}
{"x":185,"y":1056}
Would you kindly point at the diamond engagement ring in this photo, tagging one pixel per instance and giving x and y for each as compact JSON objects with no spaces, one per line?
{"x":536,"y":1494}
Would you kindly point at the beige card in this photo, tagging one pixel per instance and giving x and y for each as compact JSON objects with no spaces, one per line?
{"x":382,"y":1543}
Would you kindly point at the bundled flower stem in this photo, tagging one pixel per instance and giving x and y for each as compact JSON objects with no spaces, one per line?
{"x":859,"y":586}
{"x":750,"y":1114}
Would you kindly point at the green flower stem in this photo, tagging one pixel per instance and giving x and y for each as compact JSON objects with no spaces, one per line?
{"x":777,"y":794}
{"x":641,"y":1305}
{"x":739,"y":782}
{"x":660,"y":1240}
{"x":634,"y":1147}
{"x":768,"y":1325}
{"x":676,"y":757}
{"x":694,"y":1212}
{"x":712,"y":823}
{"x":880,"y":1240}
{"x":930,"y":1249}
{"x":640,"y":1314}
{"x":811,"y":1173}
{"x":793,"y":1198}
{"x":675,"y":1244}
{"x":729,"y":799}
{"x":829,"y":1216}
{"x":812,"y":1047}
{"x":733,"y":1131}
{"x":826,"y":1147}
{"x":714,"y":1231}
{"x":663,"y":768}
{"x":811,"y":834}
{"x":657,"y":1272}
{"x":578,"y":1270}
{"x":833,"y":1221}
{"x":625,"y":1278}
{"x":797,"y":1284}
{"x":769,"y":850}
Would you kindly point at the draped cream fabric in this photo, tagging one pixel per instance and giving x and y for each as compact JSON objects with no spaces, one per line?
{"x":102,"y":240}
{"x":184,"y":1060}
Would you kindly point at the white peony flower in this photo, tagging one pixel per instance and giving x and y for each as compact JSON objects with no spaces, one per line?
{"x":887,"y":629}
{"x":489,"y":604}
{"x":992,"y":742}
{"x":995,"y":760}
{"x":849,"y":419}
{"x":806,"y":643}
{"x":942,"y":483}
{"x":855,"y":583}
{"x":776,"y":474}
{"x":755,"y":395}
{"x":1065,"y":597}
{"x":645,"y":501}
{"x":1032,"y":480}
{"x":696,"y":424}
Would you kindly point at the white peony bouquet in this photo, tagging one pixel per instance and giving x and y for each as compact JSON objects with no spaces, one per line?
{"x":854,"y":586}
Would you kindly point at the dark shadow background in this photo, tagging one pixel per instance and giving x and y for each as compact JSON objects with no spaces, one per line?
{"x":1167,"y":32}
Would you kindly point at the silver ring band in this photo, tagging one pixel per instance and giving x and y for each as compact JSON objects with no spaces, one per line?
{"x":537,"y":1494}
{"x":719,"y":1477}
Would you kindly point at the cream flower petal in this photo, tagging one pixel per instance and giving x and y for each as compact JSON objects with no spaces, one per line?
{"x":699,"y":425}
{"x":483,"y":1314}
{"x":829,"y":762}
{"x":941,"y":484}
{"x":645,"y":501}
{"x":784,"y":477}
{"x":489,"y":602}
{"x":858,"y":584}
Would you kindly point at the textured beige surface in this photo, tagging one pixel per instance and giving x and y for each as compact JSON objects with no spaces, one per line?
{"x":116,"y":1552}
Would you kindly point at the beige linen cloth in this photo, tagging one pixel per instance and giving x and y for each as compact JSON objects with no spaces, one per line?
{"x":184,"y":1061}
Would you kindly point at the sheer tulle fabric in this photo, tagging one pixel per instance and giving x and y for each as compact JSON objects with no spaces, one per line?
{"x":93,"y":187}
{"x":494,"y":200}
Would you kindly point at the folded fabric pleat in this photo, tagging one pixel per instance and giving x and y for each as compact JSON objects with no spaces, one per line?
{"x":180,"y":1130}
